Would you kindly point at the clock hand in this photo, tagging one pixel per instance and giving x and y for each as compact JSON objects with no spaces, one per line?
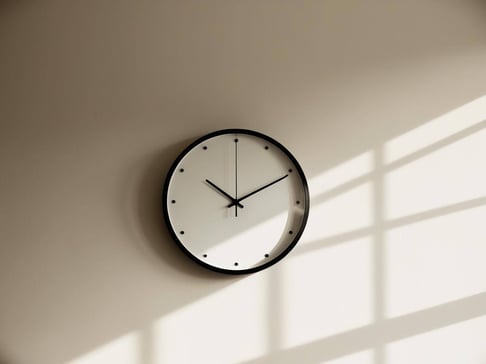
{"x":236,"y":175}
{"x":236,"y":201}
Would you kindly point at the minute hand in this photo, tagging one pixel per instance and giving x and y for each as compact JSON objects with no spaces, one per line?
{"x":257,"y":190}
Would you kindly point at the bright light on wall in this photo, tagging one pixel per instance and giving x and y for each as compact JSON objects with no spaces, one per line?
{"x":456,"y":121}
{"x":326,"y":292}
{"x":452,"y":174}
{"x":461,"y":343}
{"x":341,"y":174}
{"x":343,"y":213}
{"x":229,"y":326}
{"x":435,"y":261}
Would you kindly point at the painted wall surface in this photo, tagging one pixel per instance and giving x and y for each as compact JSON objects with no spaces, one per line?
{"x":384,"y":105}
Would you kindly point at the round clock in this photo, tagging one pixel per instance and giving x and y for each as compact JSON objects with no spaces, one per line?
{"x":236,"y":201}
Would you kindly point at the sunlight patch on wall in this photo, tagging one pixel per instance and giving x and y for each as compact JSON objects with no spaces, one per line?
{"x":227,"y":327}
{"x":124,"y":350}
{"x":462,"y":343}
{"x":452,"y":174}
{"x":435,"y":261}
{"x":343,"y":213}
{"x":341,"y":174}
{"x":363,"y":357}
{"x":434,"y":131}
{"x":326,"y":292}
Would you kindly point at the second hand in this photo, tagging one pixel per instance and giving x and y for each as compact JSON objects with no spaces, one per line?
{"x":236,"y":175}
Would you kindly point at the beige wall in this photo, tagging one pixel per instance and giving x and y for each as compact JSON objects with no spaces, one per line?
{"x":381,"y":102}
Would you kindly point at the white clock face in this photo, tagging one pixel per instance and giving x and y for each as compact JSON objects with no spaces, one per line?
{"x":236,"y":201}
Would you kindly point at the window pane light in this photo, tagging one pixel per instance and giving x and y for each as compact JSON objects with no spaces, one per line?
{"x":435,"y":261}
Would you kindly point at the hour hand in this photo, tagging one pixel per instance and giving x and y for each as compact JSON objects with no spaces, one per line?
{"x":233,"y":200}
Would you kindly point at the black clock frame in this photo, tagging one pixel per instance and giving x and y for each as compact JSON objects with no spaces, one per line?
{"x":296,"y":234}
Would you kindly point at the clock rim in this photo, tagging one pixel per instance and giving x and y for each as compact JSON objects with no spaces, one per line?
{"x":296,"y":236}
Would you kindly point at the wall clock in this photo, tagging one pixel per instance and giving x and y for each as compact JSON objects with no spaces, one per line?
{"x":236,"y":201}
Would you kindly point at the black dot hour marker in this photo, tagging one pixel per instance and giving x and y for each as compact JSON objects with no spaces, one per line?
{"x":290,"y":170}
{"x":236,"y":140}
{"x":205,"y":255}
{"x":173,"y":201}
{"x":297,"y":202}
{"x":182,"y":232}
{"x":181,"y":170}
{"x":266,"y":255}
{"x":205,"y":147}
{"x":291,"y":232}
{"x":266,"y":147}
{"x":236,"y":263}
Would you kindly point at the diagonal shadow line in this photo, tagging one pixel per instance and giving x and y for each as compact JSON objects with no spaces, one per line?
{"x":342,"y":188}
{"x":146,"y":350}
{"x":435,"y":146}
{"x":335,"y":239}
{"x":383,"y":333}
{"x":355,"y":182}
{"x":440,"y":211}
{"x":390,"y":224}
{"x":378,"y":250}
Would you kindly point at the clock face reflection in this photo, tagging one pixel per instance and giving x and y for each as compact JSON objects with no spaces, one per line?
{"x":236,"y":201}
